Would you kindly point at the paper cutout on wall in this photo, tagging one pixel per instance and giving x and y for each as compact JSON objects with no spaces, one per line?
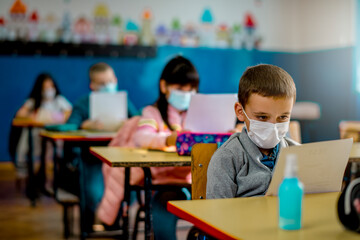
{"x":146,"y":36}
{"x":131,"y":36}
{"x":104,"y":27}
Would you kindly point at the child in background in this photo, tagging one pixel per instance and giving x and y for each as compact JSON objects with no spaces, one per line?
{"x":157,"y":129}
{"x":45,"y":104}
{"x":243,"y":165}
{"x":102,"y":79}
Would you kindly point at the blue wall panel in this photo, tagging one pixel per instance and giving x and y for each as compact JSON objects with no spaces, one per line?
{"x":320,"y":76}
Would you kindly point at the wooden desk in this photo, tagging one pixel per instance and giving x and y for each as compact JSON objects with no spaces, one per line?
{"x":26,"y":122}
{"x":29,"y":124}
{"x":241,"y":218}
{"x":131,"y":157}
{"x":134,"y":157}
{"x":257,"y":218}
{"x":82,"y":139}
{"x":79,"y":136}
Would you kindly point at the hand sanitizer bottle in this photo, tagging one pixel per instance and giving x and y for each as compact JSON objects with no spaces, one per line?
{"x":291,"y":193}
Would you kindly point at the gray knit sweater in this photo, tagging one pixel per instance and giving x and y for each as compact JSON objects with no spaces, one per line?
{"x":235,"y":169}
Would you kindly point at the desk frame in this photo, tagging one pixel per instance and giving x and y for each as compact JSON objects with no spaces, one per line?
{"x":145,"y":164}
{"x":76,"y":141}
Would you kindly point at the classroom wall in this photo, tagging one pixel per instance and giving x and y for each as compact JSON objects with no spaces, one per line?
{"x":284,"y":25}
{"x":297,"y":37}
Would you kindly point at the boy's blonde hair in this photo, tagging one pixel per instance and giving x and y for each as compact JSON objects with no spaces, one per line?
{"x":267,"y":81}
{"x":98,"y":67}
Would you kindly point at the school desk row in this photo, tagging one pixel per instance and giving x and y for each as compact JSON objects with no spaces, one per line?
{"x":125,"y":157}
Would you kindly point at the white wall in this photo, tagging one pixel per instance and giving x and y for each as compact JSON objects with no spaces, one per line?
{"x":285,"y":25}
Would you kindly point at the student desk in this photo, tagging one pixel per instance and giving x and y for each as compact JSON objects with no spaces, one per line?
{"x":130,"y":157}
{"x":29,"y":124}
{"x":82,"y":139}
{"x":257,"y":218}
{"x":355,"y":152}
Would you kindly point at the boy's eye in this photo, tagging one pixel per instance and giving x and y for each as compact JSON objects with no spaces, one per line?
{"x":262,"y":118}
{"x":284,"y":118}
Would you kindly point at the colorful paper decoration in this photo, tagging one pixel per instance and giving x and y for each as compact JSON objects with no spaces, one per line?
{"x":237,"y":36}
{"x":82,"y":30}
{"x":101,"y":24}
{"x":17,"y":25}
{"x":146,"y":36}
{"x":207,"y":30}
{"x":175,"y":34}
{"x":3,"y":30}
{"x":222,"y":36}
{"x":190,"y":36}
{"x":104,"y":28}
{"x":162,"y":35}
{"x":115,"y":30}
{"x":131,"y":36}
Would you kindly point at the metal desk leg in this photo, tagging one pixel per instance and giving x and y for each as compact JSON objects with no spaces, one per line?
{"x":148,"y":216}
{"x":30,"y":187}
{"x":126,"y":204}
{"x":41,"y":176}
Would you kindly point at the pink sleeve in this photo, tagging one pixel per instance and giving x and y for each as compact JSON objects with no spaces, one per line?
{"x":150,"y":132}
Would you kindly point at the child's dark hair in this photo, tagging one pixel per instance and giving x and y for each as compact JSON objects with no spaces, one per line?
{"x":36,"y":92}
{"x":266,"y":80}
{"x":178,"y":70}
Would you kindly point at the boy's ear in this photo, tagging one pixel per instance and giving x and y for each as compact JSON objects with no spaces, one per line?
{"x":92,"y":86}
{"x":163,"y":86}
{"x":239,"y":112}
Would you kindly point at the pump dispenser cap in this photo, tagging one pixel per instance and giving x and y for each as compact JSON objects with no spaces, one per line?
{"x":291,"y":167}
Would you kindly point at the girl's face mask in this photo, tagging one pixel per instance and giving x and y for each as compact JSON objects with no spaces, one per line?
{"x":180,"y":99}
{"x":49,"y":93}
{"x":266,"y":135}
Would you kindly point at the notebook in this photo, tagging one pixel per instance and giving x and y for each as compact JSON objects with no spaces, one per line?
{"x":211,"y":113}
{"x":321,"y":165}
{"x":109,"y":108}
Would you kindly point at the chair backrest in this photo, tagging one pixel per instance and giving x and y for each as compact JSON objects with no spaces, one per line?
{"x":350,"y":129}
{"x":201,"y":154}
{"x":295,"y":131}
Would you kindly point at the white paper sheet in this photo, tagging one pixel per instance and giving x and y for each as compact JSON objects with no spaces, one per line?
{"x":211,"y":113}
{"x":109,"y":108}
{"x":321,"y":165}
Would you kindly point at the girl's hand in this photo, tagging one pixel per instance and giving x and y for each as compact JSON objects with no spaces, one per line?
{"x":171,"y":140}
{"x":92,"y":125}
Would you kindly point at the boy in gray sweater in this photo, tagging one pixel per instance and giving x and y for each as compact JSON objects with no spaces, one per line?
{"x":243,"y":165}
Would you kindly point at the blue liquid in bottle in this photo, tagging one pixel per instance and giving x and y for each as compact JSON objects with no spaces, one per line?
{"x":291,"y":193}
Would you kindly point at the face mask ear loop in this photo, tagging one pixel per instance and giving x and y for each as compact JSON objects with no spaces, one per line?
{"x":243,"y":109}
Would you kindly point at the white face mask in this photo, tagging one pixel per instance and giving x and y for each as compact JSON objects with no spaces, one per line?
{"x":49,"y":94}
{"x":266,"y":135}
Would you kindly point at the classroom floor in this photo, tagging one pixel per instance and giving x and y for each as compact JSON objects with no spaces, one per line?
{"x":18,"y":220}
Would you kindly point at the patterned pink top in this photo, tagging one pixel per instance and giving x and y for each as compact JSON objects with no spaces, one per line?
{"x":152,"y":133}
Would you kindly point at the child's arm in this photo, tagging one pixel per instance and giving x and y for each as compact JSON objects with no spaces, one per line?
{"x":92,"y":125}
{"x":26,"y":110}
{"x":65,"y":105}
{"x":221,"y":175}
{"x":149,"y":133}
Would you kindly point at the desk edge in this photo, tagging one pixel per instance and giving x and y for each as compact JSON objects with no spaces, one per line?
{"x":104,"y":160}
{"x":206,"y":227}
